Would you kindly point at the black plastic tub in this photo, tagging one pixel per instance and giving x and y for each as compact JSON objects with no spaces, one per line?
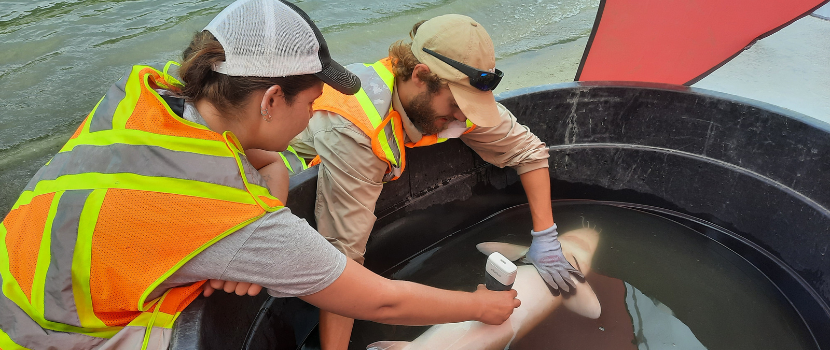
{"x":752,"y":176}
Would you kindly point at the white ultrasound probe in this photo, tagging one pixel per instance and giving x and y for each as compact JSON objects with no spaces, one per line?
{"x":500,"y":273}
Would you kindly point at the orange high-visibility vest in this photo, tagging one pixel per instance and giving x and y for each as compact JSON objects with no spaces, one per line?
{"x":371,"y":110}
{"x":135,"y":193}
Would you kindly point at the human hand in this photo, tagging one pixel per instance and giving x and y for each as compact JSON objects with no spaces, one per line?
{"x":240,"y":288}
{"x":546,"y":254}
{"x":496,"y":307}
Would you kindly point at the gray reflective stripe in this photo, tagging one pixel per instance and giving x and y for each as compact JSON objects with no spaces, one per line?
{"x":381,"y":97}
{"x":374,"y":86}
{"x":132,"y":337}
{"x":294,"y":162}
{"x":27,"y":333}
{"x":251,"y":173}
{"x":102,"y":119}
{"x":390,"y":139}
{"x":141,"y":160}
{"x":58,"y":298}
{"x":396,"y":172}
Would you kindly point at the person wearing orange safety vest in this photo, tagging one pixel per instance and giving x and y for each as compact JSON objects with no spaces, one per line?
{"x":154,"y":194}
{"x":436,"y":88}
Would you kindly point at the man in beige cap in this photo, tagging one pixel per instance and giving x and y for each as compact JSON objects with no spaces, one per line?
{"x":436,"y":88}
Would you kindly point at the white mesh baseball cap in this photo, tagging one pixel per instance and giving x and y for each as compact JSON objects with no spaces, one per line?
{"x":273,"y":38}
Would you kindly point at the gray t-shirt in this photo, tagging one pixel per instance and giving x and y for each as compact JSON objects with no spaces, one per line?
{"x":280,"y":252}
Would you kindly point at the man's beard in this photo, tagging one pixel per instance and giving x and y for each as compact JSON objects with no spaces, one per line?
{"x":421,"y":113}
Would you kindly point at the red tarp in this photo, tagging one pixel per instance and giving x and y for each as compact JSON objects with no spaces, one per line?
{"x":679,"y":41}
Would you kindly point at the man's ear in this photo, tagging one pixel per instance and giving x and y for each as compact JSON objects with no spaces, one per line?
{"x":419,"y":69}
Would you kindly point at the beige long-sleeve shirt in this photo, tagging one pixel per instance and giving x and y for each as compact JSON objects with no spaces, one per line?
{"x":350,"y":176}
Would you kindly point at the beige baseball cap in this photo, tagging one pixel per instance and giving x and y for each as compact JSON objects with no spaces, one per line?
{"x":464,"y":40}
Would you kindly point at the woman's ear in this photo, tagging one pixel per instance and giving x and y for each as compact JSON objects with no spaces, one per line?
{"x":273,"y":98}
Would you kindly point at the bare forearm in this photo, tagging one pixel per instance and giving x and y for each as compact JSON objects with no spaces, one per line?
{"x":276,"y":176}
{"x":537,"y":187}
{"x":359,"y":293}
{"x":415,"y":304}
{"x":260,"y":158}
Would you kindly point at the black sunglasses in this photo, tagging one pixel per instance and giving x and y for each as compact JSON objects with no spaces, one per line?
{"x":479,"y":79}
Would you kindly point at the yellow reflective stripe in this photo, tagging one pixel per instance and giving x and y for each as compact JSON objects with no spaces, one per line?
{"x":374,"y":117}
{"x":44,"y":257}
{"x":384,"y":145}
{"x":132,"y":92}
{"x":255,"y":190}
{"x":143,"y":183}
{"x":369,"y":108}
{"x":169,"y":77}
{"x":172,"y":320}
{"x":387,"y":76}
{"x":12,"y":291}
{"x":138,"y":137}
{"x":149,"y":325}
{"x":6,"y":343}
{"x":152,"y":286}
{"x":163,"y":320}
{"x":398,"y":142}
{"x":25,"y":198}
{"x":470,"y":124}
{"x":299,"y":159}
{"x":82,"y":260}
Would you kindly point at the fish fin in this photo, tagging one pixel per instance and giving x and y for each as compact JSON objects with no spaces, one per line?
{"x":388,"y":345}
{"x":512,"y":252}
{"x":583,"y":301}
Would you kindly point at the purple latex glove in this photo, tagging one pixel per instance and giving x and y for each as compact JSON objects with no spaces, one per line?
{"x":546,"y":254}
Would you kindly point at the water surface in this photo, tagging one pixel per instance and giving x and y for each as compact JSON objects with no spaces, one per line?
{"x":662,"y":286}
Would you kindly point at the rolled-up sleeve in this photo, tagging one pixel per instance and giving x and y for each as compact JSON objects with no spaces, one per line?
{"x":508,"y":144}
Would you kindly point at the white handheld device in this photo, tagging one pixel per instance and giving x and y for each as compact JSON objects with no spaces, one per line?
{"x":500,"y":273}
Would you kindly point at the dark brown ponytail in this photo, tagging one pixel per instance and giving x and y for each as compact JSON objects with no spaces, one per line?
{"x":228,"y":93}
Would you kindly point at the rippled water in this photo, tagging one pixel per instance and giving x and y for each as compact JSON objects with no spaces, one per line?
{"x":59,"y":57}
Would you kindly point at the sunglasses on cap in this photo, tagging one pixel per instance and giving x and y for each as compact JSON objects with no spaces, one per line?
{"x":479,"y":79}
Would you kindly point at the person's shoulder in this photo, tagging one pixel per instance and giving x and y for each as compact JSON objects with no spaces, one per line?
{"x":503,"y":111}
{"x":282,"y":218}
{"x":335,"y":123}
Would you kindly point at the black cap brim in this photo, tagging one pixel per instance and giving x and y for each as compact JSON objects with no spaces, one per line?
{"x":339,"y":78}
{"x":333,"y":73}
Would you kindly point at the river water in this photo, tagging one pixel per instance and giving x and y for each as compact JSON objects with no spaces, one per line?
{"x":58,"y":57}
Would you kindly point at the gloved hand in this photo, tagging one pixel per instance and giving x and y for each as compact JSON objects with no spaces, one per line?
{"x":546,"y":254}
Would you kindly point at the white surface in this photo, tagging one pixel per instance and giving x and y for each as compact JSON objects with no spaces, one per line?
{"x":790,"y":69}
{"x":501,"y":269}
{"x":823,"y":12}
